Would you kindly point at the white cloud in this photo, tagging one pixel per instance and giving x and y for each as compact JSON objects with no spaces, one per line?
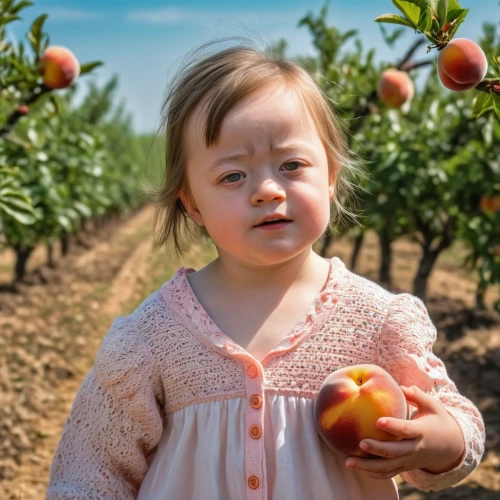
{"x":174,"y":16}
{"x":163,"y":16}
{"x":63,"y":14}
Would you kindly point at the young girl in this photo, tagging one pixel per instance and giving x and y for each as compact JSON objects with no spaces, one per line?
{"x":206,"y":391}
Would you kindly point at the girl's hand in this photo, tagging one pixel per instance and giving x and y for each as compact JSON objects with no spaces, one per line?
{"x":432,"y":441}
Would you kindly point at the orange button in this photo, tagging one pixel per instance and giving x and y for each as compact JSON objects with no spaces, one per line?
{"x":252,"y":371}
{"x":256,"y":401}
{"x":253,"y":482}
{"x":255,"y":431}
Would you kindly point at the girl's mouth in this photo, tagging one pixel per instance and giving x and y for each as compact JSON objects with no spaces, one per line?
{"x":274,"y":224}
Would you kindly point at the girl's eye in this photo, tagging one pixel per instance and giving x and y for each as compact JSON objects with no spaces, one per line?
{"x":225,"y":180}
{"x":228,"y":176}
{"x":293,"y":163}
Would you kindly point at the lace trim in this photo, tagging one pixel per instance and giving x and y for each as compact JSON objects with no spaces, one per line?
{"x":182,"y":301}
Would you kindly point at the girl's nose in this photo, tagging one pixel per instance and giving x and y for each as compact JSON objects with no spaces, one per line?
{"x":268,"y":190}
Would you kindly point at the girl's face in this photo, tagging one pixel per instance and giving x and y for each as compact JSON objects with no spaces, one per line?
{"x":268,"y":160}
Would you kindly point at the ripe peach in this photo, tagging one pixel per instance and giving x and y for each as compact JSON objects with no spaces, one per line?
{"x":490,"y":203}
{"x":60,"y":67}
{"x":395,"y":87}
{"x":462,"y":64}
{"x":22,"y":109}
{"x":349,"y":403}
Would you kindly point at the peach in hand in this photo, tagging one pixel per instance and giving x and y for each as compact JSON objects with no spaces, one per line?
{"x":349,"y":403}
{"x":60,"y":67}
{"x":395,"y":87}
{"x":462,"y":64}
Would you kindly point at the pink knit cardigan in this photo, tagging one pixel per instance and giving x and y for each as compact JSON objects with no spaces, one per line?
{"x":174,"y":409}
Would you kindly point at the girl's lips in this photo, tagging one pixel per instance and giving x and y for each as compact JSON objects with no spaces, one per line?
{"x":274,"y":225}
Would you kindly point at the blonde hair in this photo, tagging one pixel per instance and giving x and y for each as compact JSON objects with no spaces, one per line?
{"x":221,"y":80}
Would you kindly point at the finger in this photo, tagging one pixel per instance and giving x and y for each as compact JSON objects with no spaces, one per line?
{"x":389,"y":449}
{"x":425,"y":402}
{"x":386,"y":475}
{"x":404,"y":429}
{"x":375,"y":465}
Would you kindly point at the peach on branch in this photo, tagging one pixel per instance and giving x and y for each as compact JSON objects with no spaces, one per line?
{"x":60,"y":67}
{"x":395,"y":87}
{"x":490,"y":203}
{"x":462,"y":64}
{"x":349,"y":403}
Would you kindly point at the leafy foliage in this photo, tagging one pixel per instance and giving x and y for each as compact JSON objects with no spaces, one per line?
{"x":429,"y":165}
{"x":59,"y":164}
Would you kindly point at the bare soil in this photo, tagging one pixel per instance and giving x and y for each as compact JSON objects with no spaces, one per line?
{"x":51,"y":330}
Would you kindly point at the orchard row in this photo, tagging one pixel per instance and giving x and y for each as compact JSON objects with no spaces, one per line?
{"x":61,"y":165}
{"x":432,"y":156}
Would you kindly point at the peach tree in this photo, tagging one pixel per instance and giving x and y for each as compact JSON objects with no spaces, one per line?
{"x":58,"y":163}
{"x":463,"y":65}
{"x":412,"y":153}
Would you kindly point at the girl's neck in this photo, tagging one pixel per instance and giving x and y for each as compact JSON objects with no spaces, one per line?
{"x":237,"y":277}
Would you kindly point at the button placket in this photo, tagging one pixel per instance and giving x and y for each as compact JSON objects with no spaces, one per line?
{"x":254,"y":423}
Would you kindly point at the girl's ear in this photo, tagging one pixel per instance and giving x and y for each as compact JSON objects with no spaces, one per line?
{"x":331,"y":191}
{"x":332,"y":178}
{"x":190,"y":207}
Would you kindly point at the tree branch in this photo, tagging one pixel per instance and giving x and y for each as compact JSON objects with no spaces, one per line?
{"x":490,"y":86}
{"x":409,"y":66}
{"x":15,"y":115}
{"x":410,"y":53}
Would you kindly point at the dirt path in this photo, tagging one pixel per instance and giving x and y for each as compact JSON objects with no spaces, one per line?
{"x":51,"y":332}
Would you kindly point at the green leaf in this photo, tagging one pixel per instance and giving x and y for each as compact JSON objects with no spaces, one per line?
{"x":393,"y":19}
{"x":58,"y":104}
{"x":35,"y":34}
{"x":390,"y":38}
{"x":453,"y":5}
{"x":82,"y":208}
{"x":8,"y":19}
{"x":19,"y":210}
{"x":496,"y":106}
{"x":482,"y":104}
{"x":21,"y":5}
{"x":442,"y":11}
{"x":6,"y":5}
{"x":410,"y":10}
{"x":64,"y":222}
{"x":87,"y":68}
{"x":458,"y":16}
{"x":425,"y":21}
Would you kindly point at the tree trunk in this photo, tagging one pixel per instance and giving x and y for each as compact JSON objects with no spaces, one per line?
{"x":480,"y":291}
{"x":424,"y":270}
{"x":386,"y":256}
{"x":22,"y":256}
{"x":50,"y":256}
{"x":430,"y":254}
{"x":358,"y":242}
{"x":65,"y":243}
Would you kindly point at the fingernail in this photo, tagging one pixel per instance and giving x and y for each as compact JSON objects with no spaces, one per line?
{"x":382,"y":421}
{"x":350,"y":463}
{"x":363,"y":445}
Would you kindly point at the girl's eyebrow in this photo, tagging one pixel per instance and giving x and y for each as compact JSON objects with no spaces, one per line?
{"x":274,"y":149}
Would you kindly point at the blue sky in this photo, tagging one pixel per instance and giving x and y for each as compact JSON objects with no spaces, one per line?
{"x":142,"y":40}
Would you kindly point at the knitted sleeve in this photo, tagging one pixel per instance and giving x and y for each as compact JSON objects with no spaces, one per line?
{"x":405,"y":351}
{"x":115,"y":423}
